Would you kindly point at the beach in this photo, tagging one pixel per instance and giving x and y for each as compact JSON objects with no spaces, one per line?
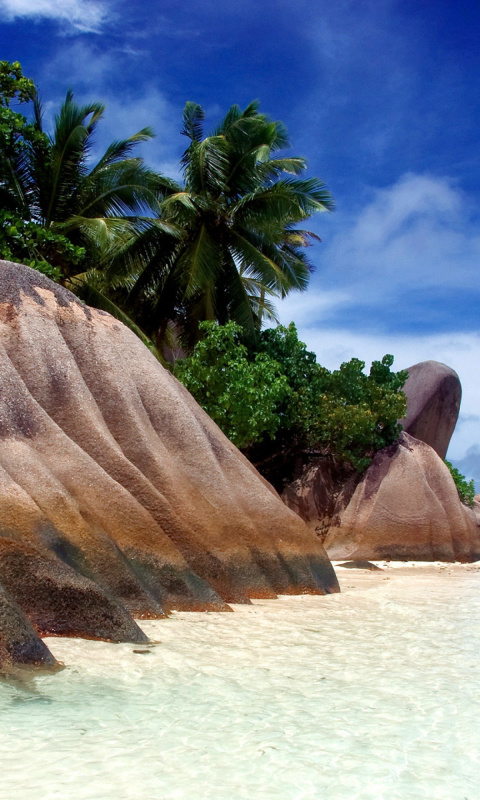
{"x":365,"y":695}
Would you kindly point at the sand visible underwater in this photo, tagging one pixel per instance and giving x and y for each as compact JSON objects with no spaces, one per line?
{"x":372,"y":694}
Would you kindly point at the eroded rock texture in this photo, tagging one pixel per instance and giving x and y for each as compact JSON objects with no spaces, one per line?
{"x":118,"y":495}
{"x":321,"y":493}
{"x":433,"y":393}
{"x":19,"y":641}
{"x":406,"y":507}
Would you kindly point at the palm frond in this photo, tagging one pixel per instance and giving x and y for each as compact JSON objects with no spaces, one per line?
{"x":263,"y":308}
{"x":261,"y":265}
{"x":123,"y":187}
{"x":193,"y":116}
{"x":183,"y":198}
{"x":275,"y":167}
{"x":232,"y":115}
{"x":206,"y":165}
{"x":122,"y":148}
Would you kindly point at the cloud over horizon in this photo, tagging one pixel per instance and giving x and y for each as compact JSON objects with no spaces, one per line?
{"x":418,"y":231}
{"x":405,"y":258}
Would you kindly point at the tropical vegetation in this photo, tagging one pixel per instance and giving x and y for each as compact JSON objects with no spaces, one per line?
{"x":63,"y":213}
{"x":238,"y":212}
{"x":222,"y":245}
{"x":465,"y":489}
{"x":276,"y":403}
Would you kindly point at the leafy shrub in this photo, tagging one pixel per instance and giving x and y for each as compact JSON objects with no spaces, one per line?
{"x":465,"y":489}
{"x":273,"y":400}
{"x":239,"y":392}
{"x":31,"y":244}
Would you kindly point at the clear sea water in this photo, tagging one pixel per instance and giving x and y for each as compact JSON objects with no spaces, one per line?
{"x":373,"y":694}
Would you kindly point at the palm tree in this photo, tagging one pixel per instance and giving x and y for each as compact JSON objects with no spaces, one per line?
{"x":239,"y":209}
{"x":50,"y":181}
{"x":55,"y":185}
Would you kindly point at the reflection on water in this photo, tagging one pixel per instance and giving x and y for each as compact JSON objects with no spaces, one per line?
{"x":368,"y":695}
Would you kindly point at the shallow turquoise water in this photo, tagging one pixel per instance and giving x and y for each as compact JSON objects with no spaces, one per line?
{"x":369,"y":695}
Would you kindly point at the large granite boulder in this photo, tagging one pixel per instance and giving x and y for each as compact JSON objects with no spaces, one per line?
{"x":119,"y":497}
{"x":406,"y":506}
{"x":433,"y":393}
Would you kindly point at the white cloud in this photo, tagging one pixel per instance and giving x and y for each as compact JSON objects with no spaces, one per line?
{"x":307,"y":307}
{"x":149,"y":108}
{"x":83,"y":16}
{"x":420,"y":233}
{"x":96,"y":74}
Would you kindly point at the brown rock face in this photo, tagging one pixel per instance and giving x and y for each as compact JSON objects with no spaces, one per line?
{"x":433,"y":394}
{"x":406,"y":507}
{"x":118,"y":495}
{"x":321,"y":494}
{"x":19,"y":642}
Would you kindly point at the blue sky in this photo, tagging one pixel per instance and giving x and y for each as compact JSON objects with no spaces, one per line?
{"x":382,"y":98}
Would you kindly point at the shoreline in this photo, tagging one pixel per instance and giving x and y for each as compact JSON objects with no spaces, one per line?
{"x":352,"y":579}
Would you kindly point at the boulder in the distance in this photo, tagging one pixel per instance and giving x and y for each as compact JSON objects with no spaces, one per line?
{"x":433,"y":393}
{"x":406,"y":507}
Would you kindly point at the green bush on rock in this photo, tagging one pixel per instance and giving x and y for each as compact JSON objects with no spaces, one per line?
{"x":273,"y":400}
{"x":31,"y":244}
{"x":240,"y":391}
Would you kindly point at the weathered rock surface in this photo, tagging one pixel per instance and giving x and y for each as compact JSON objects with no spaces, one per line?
{"x":19,"y":642}
{"x":406,"y":507}
{"x":433,"y":393}
{"x":475,"y":510}
{"x":361,"y":565}
{"x":118,"y":495}
{"x":321,"y":493}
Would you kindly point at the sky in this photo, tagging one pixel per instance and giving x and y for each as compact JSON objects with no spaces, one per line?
{"x":381,"y":98}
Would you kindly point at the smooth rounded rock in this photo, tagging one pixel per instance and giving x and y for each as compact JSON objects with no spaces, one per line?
{"x":406,"y":507}
{"x":118,"y":495}
{"x":434,"y":393}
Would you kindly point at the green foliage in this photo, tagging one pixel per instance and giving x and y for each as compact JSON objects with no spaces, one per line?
{"x":14,"y":85}
{"x":28,"y":243}
{"x":272,"y":399}
{"x":360,"y":412}
{"x":465,"y":489}
{"x":240,"y":392}
{"x":346,"y":412}
{"x":18,"y":138}
{"x":219,"y":247}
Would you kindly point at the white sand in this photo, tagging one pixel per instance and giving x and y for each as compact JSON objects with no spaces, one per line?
{"x":373,"y":694}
